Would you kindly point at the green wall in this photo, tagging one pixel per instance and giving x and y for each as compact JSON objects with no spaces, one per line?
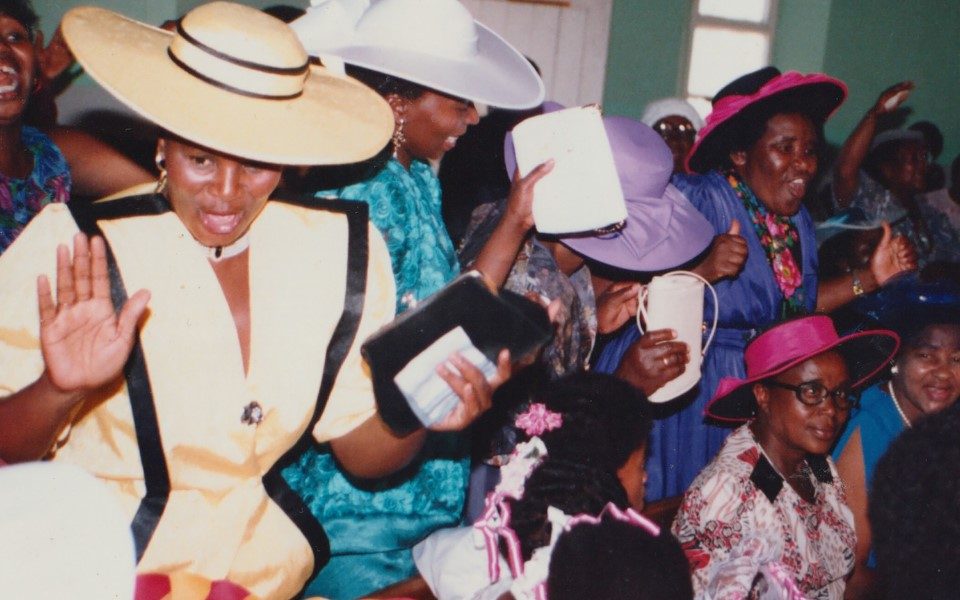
{"x":893,"y":41}
{"x":870,"y":44}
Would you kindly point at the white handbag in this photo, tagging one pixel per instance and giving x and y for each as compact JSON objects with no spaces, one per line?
{"x":675,"y":301}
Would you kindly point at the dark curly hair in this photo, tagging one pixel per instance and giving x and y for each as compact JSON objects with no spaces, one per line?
{"x":385,"y":84}
{"x":569,"y":486}
{"x":615,"y":560}
{"x":605,"y":419}
{"x":914,"y":510}
{"x":21,"y":11}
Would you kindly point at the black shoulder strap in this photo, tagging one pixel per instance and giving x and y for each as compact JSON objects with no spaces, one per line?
{"x":340,"y":343}
{"x":155,"y":474}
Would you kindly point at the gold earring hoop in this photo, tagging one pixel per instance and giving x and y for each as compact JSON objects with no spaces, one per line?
{"x":162,"y":168}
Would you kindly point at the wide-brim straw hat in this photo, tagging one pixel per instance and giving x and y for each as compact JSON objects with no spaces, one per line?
{"x":233,"y":79}
{"x":816,"y":95}
{"x":434,"y":43}
{"x":788,"y":344}
{"x":663,"y":230}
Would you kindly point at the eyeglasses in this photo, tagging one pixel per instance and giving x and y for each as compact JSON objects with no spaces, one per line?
{"x":813,"y":393}
{"x":675,"y":130}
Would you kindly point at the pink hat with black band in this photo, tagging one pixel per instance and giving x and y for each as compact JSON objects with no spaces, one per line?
{"x":788,"y":344}
{"x":816,"y":95}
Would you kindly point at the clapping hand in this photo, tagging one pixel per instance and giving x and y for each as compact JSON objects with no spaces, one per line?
{"x":84,"y":342}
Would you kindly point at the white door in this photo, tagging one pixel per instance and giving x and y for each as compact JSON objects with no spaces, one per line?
{"x":568,"y":43}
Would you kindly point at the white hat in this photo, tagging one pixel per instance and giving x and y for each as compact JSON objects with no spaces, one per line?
{"x":434,"y":43}
{"x":233,"y":79}
{"x":666,"y":107}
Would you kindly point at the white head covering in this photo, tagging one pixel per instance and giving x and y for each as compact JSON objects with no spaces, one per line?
{"x":666,"y":107}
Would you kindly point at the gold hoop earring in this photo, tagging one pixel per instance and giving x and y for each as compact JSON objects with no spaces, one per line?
{"x":399,"y":139}
{"x":162,"y":168}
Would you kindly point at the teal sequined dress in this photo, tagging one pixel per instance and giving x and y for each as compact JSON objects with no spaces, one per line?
{"x":372,"y":530}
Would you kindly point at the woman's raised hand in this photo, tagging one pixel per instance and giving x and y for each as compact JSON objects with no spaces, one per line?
{"x":475,"y":390}
{"x":520,"y":200}
{"x":84,"y":342}
{"x":892,"y":256}
{"x":891,"y":98}
{"x":653,"y":360}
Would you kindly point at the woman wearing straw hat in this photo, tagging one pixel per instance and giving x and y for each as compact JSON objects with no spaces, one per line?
{"x":431,"y":61}
{"x":755,"y":157}
{"x":770,"y":509}
{"x":240,"y":319}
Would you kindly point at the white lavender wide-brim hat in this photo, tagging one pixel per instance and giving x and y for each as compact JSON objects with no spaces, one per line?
{"x":433,"y":43}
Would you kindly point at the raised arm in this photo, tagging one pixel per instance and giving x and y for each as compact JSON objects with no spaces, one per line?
{"x":855,"y":148}
{"x":498,"y":254}
{"x":84,"y":344}
{"x":96,"y":167}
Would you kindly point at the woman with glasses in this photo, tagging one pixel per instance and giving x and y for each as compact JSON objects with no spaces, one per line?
{"x":924,"y":379}
{"x":677,"y":122}
{"x":769,"y":512}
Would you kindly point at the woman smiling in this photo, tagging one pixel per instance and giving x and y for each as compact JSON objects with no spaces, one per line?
{"x":187,"y":409}
{"x":769,"y":511}
{"x":753,"y":162}
{"x":924,"y":379}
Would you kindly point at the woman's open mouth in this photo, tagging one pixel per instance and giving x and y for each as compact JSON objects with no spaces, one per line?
{"x":219,"y":224}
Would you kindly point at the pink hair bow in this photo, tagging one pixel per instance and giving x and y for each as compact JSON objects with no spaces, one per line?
{"x":538,"y":419}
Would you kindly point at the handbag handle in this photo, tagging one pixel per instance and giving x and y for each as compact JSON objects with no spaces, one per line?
{"x":641,"y":311}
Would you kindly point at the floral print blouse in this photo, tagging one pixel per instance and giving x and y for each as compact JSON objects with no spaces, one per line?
{"x":739,"y":522}
{"x":21,"y":199}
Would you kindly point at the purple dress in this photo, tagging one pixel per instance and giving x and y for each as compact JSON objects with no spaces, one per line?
{"x":681,"y":444}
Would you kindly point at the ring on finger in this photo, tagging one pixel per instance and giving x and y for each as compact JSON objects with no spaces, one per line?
{"x":666,"y":361}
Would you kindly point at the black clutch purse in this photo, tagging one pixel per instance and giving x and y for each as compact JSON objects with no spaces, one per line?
{"x":491,"y":321}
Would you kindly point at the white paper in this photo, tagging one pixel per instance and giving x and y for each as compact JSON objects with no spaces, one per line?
{"x":429,"y":396}
{"x":583,"y":192}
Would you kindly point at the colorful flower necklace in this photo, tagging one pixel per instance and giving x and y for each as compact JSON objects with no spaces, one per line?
{"x":780,"y":241}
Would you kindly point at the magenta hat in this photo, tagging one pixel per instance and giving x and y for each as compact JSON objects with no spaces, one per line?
{"x":816,"y":95}
{"x":790,"y":343}
{"x":663,"y":230}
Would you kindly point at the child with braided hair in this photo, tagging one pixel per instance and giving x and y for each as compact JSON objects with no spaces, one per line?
{"x":592,"y":429}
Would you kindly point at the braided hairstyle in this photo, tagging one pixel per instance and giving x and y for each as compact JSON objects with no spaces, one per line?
{"x":614,"y":560}
{"x":605,"y":420}
{"x":914,"y":511}
{"x":572,"y":487}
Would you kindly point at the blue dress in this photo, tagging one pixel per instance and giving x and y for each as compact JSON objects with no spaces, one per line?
{"x":682,"y":443}
{"x":372,"y":530}
{"x":22,"y":199}
{"x":879,"y":423}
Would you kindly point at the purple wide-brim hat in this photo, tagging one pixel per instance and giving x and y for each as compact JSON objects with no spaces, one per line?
{"x":788,"y":344}
{"x":663,"y":230}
